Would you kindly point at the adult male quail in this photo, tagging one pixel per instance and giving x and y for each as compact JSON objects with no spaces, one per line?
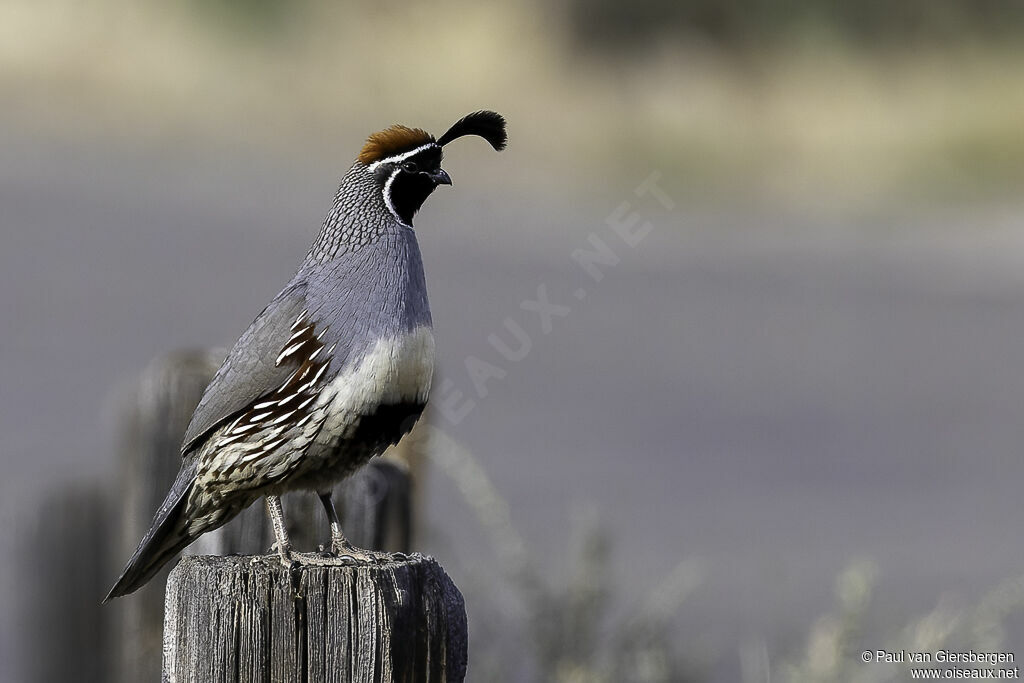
{"x":332,"y":372}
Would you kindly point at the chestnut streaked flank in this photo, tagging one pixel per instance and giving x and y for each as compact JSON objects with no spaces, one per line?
{"x":334,"y":370}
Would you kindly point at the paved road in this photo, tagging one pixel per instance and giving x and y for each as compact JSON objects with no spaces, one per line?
{"x":773,"y":395}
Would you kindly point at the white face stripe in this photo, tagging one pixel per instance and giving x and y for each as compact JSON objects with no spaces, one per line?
{"x":387,"y":197}
{"x":401,"y":157}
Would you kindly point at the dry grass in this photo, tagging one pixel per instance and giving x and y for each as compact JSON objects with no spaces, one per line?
{"x":527,"y":627}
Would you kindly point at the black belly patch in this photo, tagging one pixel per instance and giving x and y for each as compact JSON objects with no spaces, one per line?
{"x":387,"y":425}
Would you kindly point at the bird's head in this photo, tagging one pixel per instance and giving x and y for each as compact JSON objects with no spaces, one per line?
{"x":406,"y":162}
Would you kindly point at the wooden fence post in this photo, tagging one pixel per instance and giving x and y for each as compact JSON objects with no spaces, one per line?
{"x":250,"y":619}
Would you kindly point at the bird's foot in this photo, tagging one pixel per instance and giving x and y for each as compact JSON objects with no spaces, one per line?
{"x":343,"y":550}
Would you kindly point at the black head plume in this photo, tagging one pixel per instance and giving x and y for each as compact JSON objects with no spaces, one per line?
{"x":487,"y":124}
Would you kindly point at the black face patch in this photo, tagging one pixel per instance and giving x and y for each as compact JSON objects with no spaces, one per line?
{"x":408,"y":182}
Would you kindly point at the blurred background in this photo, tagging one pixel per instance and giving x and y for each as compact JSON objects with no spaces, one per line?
{"x":781,"y":427}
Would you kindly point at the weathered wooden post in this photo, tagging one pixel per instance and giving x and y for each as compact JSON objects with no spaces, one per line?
{"x":155,"y":410}
{"x":62,"y":568}
{"x":250,"y":619}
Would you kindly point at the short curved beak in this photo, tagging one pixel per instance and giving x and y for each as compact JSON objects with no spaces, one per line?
{"x":440,"y":177}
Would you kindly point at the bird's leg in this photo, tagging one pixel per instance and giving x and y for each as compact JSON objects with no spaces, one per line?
{"x":340,"y":545}
{"x":276,"y":514}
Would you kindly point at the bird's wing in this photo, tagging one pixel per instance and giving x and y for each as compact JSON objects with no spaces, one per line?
{"x":251,"y":370}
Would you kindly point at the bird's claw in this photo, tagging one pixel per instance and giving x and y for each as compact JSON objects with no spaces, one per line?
{"x":284,"y":553}
{"x":348,"y":552}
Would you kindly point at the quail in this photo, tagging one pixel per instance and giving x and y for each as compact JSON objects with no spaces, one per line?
{"x":333,"y":371}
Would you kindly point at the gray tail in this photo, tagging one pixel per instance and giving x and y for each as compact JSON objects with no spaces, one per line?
{"x":167,"y":536}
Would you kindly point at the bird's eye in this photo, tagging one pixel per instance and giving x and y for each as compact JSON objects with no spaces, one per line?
{"x":410,"y":167}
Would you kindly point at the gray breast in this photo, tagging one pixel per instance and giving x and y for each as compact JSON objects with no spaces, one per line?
{"x":372,"y":293}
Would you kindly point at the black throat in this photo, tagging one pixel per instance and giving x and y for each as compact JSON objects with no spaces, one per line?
{"x":407,"y":192}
